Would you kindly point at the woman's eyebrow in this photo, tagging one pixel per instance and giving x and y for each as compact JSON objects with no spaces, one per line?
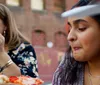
{"x":79,"y":20}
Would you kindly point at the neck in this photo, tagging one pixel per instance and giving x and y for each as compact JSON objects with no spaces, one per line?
{"x":94,"y":67}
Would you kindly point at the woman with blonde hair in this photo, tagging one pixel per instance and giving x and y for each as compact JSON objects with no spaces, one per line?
{"x":17,"y":56}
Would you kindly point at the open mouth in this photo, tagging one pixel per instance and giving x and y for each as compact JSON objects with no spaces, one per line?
{"x":76,"y":48}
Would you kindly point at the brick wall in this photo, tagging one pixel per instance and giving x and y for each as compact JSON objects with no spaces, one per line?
{"x":48,"y":20}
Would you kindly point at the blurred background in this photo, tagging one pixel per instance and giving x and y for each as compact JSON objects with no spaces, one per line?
{"x":40,"y":21}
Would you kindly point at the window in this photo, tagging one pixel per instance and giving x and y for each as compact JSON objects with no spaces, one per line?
{"x":13,"y":2}
{"x":61,"y":38}
{"x":61,"y":41}
{"x":38,"y":38}
{"x":37,"y":4}
{"x":59,"y":5}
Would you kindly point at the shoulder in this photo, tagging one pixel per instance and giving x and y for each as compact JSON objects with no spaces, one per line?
{"x":23,"y":47}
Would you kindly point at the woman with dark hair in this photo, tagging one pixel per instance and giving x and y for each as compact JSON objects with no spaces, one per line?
{"x":17,"y":56}
{"x":81,"y":64}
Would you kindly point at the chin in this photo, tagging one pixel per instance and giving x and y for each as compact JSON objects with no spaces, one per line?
{"x":80,"y":58}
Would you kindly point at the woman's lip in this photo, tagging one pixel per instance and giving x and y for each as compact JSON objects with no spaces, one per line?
{"x":76,"y":48}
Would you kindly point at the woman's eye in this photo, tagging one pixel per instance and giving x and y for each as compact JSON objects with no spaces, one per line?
{"x":68,"y":30}
{"x":82,"y":29}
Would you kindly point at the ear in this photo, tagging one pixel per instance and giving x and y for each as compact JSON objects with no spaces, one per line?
{"x":5,"y":28}
{"x":4,"y":31}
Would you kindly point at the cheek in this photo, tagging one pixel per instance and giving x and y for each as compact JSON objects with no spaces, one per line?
{"x":88,"y":41}
{"x":1,"y":31}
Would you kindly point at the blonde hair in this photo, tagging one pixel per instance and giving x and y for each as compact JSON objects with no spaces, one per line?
{"x":13,"y":37}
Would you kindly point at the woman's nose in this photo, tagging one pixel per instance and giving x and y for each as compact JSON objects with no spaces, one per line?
{"x":71,"y":36}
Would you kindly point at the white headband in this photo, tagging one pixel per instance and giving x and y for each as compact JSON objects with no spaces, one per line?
{"x":83,"y":11}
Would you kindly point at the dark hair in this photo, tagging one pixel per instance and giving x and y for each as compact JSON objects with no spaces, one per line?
{"x":97,"y":18}
{"x":81,"y":3}
{"x":69,"y":70}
